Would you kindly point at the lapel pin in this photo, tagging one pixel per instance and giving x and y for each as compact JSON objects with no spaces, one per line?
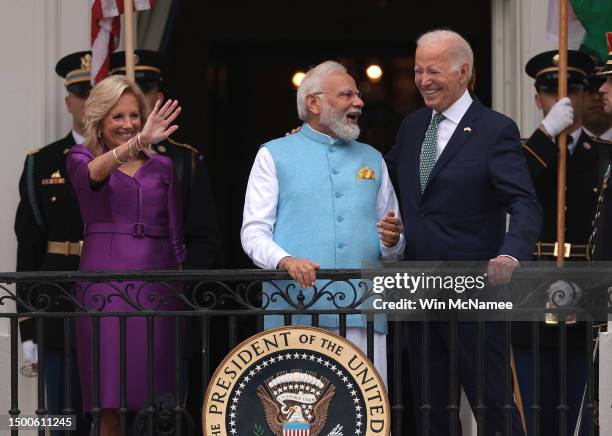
{"x":467,"y":129}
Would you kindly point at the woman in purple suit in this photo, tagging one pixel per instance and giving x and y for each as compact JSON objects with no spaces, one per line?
{"x":129,"y":200}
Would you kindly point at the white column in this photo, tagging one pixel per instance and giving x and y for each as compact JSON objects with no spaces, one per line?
{"x":518,"y":33}
{"x":34,"y":34}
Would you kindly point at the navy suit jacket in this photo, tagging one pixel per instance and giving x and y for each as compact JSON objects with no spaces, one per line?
{"x":480,"y":176}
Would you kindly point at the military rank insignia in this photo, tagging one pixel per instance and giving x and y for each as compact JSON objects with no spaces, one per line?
{"x":366,"y":173}
{"x":55,"y":179}
{"x":296,"y":381}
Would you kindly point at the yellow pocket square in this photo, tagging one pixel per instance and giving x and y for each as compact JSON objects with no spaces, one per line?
{"x":366,"y":173}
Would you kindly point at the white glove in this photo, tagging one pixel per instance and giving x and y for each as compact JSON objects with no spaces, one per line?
{"x":30,"y":351}
{"x":559,"y":118}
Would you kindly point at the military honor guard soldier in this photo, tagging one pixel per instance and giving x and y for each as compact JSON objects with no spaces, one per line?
{"x":49,"y":236}
{"x":586,"y":163}
{"x":601,"y":238}
{"x":199,"y":215}
{"x":596,"y":122}
{"x":584,"y":171}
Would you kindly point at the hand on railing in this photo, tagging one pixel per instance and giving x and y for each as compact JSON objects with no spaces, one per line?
{"x":300,"y":270}
{"x":499,"y":270}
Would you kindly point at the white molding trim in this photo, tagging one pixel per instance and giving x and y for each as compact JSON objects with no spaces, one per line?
{"x":34,"y":34}
{"x":518,"y":33}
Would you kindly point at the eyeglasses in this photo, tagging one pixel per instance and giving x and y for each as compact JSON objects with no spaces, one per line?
{"x":347,"y":94}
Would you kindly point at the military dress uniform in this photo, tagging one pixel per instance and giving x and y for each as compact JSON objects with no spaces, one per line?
{"x":49,"y":228}
{"x":199,"y":214}
{"x":199,"y":221}
{"x":586,"y":165}
{"x":49,"y":234}
{"x":601,"y":238}
{"x":199,"y":217}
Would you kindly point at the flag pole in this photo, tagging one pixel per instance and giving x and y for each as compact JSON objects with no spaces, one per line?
{"x":562,"y":161}
{"x":128,"y":37}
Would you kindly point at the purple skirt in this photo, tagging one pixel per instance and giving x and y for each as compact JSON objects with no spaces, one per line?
{"x":123,"y":252}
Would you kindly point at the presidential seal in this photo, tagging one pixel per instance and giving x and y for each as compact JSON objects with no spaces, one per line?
{"x":296,"y":381}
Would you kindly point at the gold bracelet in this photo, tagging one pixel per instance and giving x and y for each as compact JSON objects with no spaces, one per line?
{"x":130,"y":153}
{"x":140,"y":144}
{"x":116,"y":158}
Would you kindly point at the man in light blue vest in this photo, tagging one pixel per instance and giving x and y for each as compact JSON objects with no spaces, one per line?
{"x":320,"y":199}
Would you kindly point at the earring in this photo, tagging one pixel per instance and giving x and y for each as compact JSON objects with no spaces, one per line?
{"x":99,"y":134}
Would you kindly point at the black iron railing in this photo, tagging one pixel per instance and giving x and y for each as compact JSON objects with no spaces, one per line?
{"x":236,"y":296}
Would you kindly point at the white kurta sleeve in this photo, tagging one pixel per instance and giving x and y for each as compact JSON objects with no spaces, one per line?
{"x":386,"y":202}
{"x":259,"y":215}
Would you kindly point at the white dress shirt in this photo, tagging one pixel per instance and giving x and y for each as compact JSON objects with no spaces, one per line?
{"x":453,"y":116}
{"x":571,"y":144}
{"x":606,"y":136}
{"x":259,"y":216}
{"x":78,"y":139}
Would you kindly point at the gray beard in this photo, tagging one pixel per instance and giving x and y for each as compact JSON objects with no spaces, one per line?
{"x":337,"y":123}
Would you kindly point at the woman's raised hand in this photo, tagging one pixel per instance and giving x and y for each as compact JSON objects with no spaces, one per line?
{"x":158,"y":126}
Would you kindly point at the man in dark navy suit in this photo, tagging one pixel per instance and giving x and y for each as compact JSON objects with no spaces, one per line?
{"x":460,"y":169}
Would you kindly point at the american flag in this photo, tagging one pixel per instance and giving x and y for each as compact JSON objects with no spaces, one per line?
{"x":105,"y":32}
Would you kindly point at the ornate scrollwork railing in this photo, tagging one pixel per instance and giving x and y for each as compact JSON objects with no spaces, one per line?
{"x":336,"y":291}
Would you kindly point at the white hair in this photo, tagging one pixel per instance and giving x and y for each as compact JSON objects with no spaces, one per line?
{"x":461,"y":52}
{"x":312,"y":83}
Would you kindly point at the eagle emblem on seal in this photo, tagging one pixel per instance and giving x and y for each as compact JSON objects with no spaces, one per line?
{"x":296,"y":403}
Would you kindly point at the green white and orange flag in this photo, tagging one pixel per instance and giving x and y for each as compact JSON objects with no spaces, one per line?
{"x":589,"y":20}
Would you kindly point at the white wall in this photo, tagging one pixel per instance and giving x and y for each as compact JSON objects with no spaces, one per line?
{"x":519,"y":28}
{"x":34,"y":34}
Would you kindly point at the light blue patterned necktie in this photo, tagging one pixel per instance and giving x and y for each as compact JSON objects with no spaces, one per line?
{"x":429,"y":150}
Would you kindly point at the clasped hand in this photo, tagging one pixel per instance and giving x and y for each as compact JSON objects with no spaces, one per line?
{"x":389,"y":228}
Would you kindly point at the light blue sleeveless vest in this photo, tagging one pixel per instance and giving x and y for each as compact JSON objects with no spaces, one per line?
{"x":326,"y":213}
